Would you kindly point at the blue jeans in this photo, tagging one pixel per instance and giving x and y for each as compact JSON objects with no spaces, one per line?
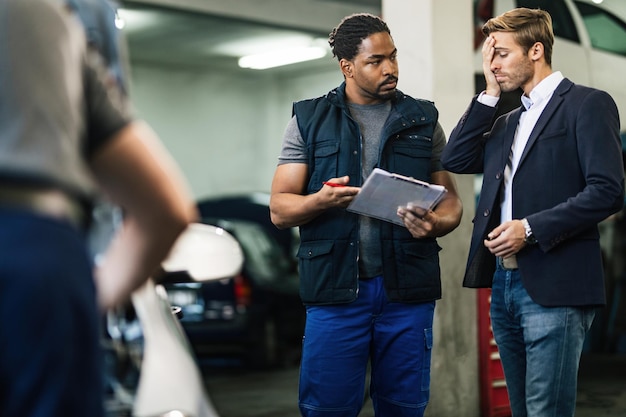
{"x":540,"y":348}
{"x":50,"y":354}
{"x":340,"y":339}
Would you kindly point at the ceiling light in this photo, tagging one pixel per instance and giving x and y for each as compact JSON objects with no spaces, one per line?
{"x":136,"y":20}
{"x":282,"y":57}
{"x":120,"y":23}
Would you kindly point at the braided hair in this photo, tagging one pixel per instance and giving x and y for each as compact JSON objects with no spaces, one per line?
{"x":346,"y":38}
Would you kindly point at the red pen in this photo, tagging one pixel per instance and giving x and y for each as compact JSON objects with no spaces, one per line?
{"x":333,"y":184}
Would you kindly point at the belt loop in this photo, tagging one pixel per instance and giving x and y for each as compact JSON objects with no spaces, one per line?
{"x":509,"y":262}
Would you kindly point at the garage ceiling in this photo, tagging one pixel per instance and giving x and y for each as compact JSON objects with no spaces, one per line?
{"x":215,"y":33}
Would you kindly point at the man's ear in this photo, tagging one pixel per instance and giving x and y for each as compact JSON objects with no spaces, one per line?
{"x":346,"y":67}
{"x":536,"y":51}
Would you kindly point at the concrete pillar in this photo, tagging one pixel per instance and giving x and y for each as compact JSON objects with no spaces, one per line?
{"x":434,"y":41}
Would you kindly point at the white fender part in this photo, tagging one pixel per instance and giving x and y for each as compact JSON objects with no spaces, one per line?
{"x":170,"y":382}
{"x":206,"y":252}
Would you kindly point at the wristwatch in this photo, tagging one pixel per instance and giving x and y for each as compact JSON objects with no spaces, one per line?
{"x":529,"y":238}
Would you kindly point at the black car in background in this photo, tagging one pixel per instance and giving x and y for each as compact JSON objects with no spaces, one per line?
{"x":257,"y":315}
{"x":255,"y":208}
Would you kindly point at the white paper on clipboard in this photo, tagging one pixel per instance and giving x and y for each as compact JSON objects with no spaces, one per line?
{"x":383,"y":192}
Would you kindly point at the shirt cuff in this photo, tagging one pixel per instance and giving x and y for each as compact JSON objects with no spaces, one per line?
{"x":488,"y":100}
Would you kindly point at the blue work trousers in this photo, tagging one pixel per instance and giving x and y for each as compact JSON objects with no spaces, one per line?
{"x":50,"y":360}
{"x":339,"y":340}
{"x":540,"y":348}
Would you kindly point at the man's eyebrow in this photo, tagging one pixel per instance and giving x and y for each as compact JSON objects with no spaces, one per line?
{"x":378,"y":56}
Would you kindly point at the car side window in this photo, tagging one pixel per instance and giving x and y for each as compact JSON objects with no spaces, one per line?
{"x":562,"y":21}
{"x":263,"y":255}
{"x":606,"y":31}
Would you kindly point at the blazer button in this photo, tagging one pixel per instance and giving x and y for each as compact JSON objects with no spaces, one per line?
{"x":498,"y":175}
{"x":486,"y":213}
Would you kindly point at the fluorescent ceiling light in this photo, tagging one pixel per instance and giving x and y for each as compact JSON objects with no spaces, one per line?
{"x":120,"y":23}
{"x":281,"y":57}
{"x":135,"y":20}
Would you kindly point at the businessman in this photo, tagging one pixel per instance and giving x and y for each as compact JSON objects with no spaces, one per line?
{"x":552,"y":170}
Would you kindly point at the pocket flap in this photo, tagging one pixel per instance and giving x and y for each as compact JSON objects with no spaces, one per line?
{"x":326,"y":149}
{"x":312,"y":250}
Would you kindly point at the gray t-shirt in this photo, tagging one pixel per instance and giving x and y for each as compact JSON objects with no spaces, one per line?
{"x":294,"y":148}
{"x":371,"y":120}
{"x":55,"y":106}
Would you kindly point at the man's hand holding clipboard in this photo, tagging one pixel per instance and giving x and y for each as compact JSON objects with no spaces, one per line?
{"x":383,"y":193}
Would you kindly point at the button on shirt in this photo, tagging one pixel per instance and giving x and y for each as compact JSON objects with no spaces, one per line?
{"x":534,"y":106}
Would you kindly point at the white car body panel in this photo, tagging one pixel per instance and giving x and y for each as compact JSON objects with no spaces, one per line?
{"x":170,"y":383}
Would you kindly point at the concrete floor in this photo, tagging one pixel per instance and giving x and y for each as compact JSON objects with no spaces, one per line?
{"x":239,"y":393}
{"x":602,"y":386}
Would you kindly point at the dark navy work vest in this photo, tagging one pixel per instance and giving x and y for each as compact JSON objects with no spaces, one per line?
{"x":328,"y":254}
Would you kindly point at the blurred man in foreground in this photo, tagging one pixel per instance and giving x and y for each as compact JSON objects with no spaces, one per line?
{"x":64,"y":138}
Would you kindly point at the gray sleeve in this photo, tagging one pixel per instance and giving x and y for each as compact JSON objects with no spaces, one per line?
{"x":439,"y":142}
{"x":294,"y":149}
{"x":108,"y":110}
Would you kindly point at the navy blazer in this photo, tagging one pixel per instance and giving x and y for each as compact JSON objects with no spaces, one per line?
{"x":570,"y":178}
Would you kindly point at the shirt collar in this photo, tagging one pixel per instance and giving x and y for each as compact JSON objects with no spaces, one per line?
{"x":543,"y":90}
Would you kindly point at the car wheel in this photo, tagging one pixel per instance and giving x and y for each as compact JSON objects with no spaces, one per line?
{"x":263,"y":352}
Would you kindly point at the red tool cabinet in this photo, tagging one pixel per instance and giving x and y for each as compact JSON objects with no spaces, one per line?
{"x":494,"y":400}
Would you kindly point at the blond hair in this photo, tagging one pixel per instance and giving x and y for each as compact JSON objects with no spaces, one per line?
{"x":528,"y":26}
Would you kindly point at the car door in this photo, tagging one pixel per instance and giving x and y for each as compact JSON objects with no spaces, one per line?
{"x":605,"y":37}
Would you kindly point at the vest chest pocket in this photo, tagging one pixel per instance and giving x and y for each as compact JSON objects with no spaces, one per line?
{"x":412,"y":158}
{"x":324,"y":163}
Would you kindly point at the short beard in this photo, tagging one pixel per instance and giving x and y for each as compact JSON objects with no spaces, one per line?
{"x":386,"y":96}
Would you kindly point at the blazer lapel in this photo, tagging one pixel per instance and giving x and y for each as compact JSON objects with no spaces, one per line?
{"x":509,"y":135}
{"x":546,"y":115}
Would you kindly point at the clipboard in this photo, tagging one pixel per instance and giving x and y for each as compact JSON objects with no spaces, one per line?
{"x":383,"y":192}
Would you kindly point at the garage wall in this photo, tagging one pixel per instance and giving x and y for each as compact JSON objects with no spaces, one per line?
{"x":223,"y":128}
